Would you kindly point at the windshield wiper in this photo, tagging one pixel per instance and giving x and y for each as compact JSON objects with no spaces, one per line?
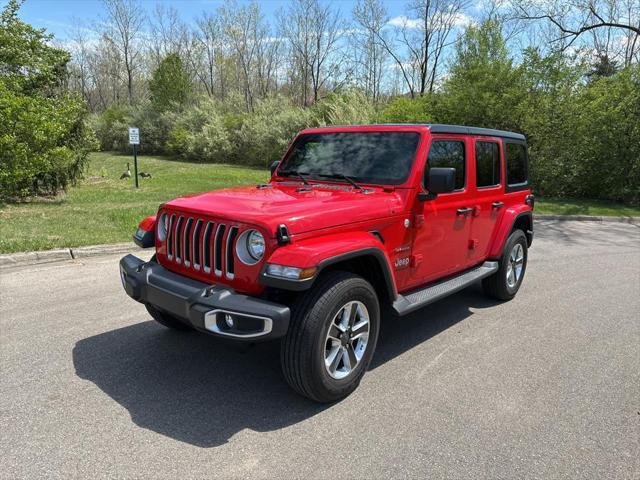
{"x":340,"y":175}
{"x":296,"y":173}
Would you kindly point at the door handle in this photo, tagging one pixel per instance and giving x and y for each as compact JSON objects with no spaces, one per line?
{"x":497,"y":205}
{"x":464,"y":211}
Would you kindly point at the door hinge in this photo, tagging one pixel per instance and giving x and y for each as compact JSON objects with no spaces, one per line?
{"x":416,"y":260}
{"x":473,"y":243}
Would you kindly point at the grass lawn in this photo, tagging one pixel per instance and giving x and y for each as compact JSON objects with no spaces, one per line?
{"x":104,"y":209}
{"x":552,"y":206}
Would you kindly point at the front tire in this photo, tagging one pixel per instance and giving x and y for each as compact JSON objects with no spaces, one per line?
{"x":332,"y":336}
{"x":505,"y":283}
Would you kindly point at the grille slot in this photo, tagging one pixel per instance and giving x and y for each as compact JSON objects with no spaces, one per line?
{"x":178,"y":236}
{"x":217,"y":249}
{"x":197,"y":245}
{"x":230,"y":264}
{"x":170,"y":237}
{"x":206,"y":247}
{"x":186,"y":239}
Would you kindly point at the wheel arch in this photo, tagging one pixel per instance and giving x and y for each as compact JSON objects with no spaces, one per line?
{"x":521,"y":219}
{"x":370,"y":264}
{"x":358,"y":252}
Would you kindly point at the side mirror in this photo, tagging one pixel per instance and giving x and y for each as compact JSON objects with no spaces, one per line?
{"x":273,"y":166}
{"x":439,"y":180}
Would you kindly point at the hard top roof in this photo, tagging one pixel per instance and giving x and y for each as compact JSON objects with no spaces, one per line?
{"x":438,"y":128}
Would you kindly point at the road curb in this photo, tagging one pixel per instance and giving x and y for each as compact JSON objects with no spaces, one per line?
{"x":61,"y":254}
{"x":588,"y":218}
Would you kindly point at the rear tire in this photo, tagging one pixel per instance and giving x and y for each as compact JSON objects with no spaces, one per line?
{"x":505,"y":283}
{"x":332,"y":336}
{"x":166,"y":319}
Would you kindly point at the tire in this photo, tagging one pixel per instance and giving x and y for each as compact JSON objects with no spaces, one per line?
{"x":307,"y":346}
{"x":501,"y":285}
{"x":166,"y":319}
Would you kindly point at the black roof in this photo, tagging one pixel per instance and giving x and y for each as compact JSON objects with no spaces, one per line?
{"x":440,"y":128}
{"x":453,"y":129}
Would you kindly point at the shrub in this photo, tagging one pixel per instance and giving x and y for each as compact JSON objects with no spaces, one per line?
{"x":266,"y":133}
{"x":351,"y":108}
{"x":44,"y":142}
{"x":111,"y":128}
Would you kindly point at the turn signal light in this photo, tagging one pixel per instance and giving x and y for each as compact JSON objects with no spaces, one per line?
{"x":292,"y":273}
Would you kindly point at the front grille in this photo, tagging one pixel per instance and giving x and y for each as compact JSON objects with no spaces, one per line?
{"x":202,"y":244}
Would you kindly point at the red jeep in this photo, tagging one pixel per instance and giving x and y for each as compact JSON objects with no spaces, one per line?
{"x":354,"y":219}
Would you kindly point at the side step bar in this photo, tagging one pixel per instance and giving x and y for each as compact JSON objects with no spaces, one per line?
{"x":419,"y":298}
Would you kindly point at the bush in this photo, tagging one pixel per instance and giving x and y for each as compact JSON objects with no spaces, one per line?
{"x":266,"y":133}
{"x":111,"y":128}
{"x":407,"y":110}
{"x":200,"y":134}
{"x":351,"y":108}
{"x":44,"y":142}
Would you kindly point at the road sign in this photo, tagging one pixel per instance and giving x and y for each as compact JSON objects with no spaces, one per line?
{"x":134,"y":139}
{"x":134,"y":136}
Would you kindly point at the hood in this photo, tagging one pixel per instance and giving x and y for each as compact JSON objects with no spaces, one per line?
{"x":300,"y":209}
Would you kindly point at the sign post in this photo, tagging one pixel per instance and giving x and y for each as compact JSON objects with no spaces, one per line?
{"x":134,"y":139}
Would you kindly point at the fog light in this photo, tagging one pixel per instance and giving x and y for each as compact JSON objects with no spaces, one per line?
{"x":228,"y":319}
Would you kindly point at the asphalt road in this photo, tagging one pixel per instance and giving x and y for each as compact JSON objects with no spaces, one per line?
{"x":545,"y":386}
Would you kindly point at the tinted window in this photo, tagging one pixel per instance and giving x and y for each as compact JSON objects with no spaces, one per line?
{"x":487,"y":164}
{"x":448,"y":154}
{"x":369,"y":157}
{"x":516,"y":164}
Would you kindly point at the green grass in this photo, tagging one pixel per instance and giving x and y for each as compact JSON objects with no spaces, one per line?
{"x":553,"y":206}
{"x":104,"y":209}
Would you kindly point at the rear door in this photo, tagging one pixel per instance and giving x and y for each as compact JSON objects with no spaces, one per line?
{"x":488,"y":188}
{"x":442,"y":227}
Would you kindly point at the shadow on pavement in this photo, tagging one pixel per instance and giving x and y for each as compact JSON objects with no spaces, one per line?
{"x":199,"y":390}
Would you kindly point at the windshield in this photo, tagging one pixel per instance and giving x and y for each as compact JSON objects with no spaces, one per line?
{"x":368,"y":157}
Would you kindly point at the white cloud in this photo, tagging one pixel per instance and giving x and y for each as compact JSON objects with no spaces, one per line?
{"x":461,"y":20}
{"x":405,"y":22}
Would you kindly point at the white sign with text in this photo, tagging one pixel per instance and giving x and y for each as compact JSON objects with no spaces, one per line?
{"x":134,"y":136}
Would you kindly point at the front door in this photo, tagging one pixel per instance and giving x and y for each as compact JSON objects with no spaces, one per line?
{"x":443,"y":225}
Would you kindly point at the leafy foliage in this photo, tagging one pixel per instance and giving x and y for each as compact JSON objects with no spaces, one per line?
{"x":43,"y":139}
{"x":169,"y":86}
{"x":582,"y":129}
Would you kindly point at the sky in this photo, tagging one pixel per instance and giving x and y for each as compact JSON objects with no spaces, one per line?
{"x":57,"y":16}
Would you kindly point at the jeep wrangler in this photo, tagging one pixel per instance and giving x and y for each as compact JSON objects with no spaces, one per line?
{"x":355,"y":221}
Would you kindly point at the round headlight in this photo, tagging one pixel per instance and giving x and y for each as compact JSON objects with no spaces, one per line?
{"x":255,"y":244}
{"x":162,"y":227}
{"x":250,"y":247}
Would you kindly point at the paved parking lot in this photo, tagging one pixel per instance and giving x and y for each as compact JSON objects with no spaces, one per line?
{"x":545,"y":386}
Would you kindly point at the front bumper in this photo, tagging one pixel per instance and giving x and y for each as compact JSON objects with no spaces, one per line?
{"x":207,"y":308}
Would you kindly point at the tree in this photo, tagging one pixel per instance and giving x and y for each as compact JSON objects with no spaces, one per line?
{"x":484,"y":88}
{"x":43,"y":139}
{"x":124,"y":30}
{"x":27,"y":63}
{"x":420,"y":40}
{"x":209,"y":54}
{"x":313,"y":32}
{"x":170,"y":85}
{"x":575,"y":19}
{"x":371,"y":17}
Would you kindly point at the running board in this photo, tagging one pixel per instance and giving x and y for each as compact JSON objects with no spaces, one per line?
{"x":419,"y":298}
